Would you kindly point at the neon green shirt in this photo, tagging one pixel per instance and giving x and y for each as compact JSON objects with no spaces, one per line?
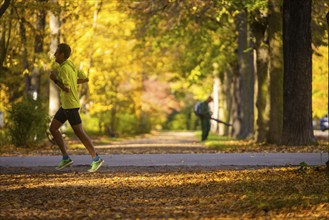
{"x":68,"y":74}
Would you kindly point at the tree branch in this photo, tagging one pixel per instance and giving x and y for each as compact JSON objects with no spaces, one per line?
{"x":4,"y":7}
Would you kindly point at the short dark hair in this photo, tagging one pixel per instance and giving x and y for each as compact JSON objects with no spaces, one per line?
{"x":66,"y":49}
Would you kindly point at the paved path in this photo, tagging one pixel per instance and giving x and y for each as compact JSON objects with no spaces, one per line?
{"x":207,"y":160}
{"x":178,"y":141}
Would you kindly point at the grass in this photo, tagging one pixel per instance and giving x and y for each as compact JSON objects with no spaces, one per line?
{"x":230,"y":145}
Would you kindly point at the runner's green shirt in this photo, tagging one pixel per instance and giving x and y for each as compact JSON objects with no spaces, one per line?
{"x":68,"y":74}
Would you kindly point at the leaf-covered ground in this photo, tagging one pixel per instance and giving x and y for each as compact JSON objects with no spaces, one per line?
{"x":163,"y":192}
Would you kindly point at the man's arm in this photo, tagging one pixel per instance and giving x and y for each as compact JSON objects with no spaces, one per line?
{"x":80,"y":81}
{"x":58,"y":83}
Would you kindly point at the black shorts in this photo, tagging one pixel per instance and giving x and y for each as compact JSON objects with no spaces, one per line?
{"x":72,"y":115}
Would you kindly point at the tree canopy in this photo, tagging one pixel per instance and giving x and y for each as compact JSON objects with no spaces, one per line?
{"x":148,"y":61}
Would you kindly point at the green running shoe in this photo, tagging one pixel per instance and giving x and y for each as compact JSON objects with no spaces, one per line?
{"x":95,"y":165}
{"x":64,"y":163}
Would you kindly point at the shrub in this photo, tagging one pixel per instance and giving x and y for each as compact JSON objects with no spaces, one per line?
{"x":28,"y":122}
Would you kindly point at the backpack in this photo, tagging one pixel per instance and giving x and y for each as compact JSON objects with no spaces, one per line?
{"x":197,"y":109}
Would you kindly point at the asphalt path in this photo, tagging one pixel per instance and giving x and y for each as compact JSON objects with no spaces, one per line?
{"x":175,"y":140}
{"x":152,"y":160}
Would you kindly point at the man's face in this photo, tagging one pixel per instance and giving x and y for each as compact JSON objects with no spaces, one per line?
{"x":59,"y":56}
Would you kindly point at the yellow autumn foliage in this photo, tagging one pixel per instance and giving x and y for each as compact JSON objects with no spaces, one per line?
{"x":320,"y":82}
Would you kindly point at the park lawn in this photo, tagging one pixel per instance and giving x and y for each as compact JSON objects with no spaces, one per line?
{"x":228,"y":145}
{"x":214,"y":144}
{"x":163,"y":193}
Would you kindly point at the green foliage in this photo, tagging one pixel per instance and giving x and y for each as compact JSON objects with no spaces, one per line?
{"x":178,"y":122}
{"x":320,"y":82}
{"x":183,"y":120}
{"x":128,"y":124}
{"x":90,"y":124}
{"x":131,"y":46}
{"x":28,"y":122}
{"x":4,"y":137}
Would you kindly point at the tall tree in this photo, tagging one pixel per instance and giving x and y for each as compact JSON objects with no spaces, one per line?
{"x":38,"y":49}
{"x":54,"y":25}
{"x":4,"y":7}
{"x":22,"y":33}
{"x":297,"y":84}
{"x":259,"y":29}
{"x":243,"y":122}
{"x":275,"y":114}
{"x":327,"y":16}
{"x":5,"y":32}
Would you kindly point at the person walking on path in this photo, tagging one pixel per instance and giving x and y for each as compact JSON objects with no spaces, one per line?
{"x":205,"y":116}
{"x":66,"y":78}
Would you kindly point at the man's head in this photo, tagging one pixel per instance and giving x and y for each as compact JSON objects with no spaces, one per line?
{"x":209,"y":99}
{"x":62,"y":53}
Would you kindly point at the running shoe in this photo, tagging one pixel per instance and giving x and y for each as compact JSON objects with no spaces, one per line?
{"x":64,"y":163}
{"x":95,"y":165}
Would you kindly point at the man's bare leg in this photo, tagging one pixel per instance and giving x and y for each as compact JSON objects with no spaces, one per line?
{"x":86,"y":141}
{"x":54,"y":130}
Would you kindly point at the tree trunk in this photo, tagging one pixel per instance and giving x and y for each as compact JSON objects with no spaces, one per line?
{"x":84,"y":87}
{"x":245,"y":83}
{"x":297,"y":83}
{"x":5,"y":32}
{"x":38,"y":49}
{"x":27,"y":78}
{"x":275,"y":108}
{"x":222,"y":109}
{"x":236,"y":102}
{"x":215,"y":95}
{"x":228,"y":85}
{"x":327,"y":16}
{"x":54,"y":24}
{"x":4,"y":7}
{"x":262,"y":58}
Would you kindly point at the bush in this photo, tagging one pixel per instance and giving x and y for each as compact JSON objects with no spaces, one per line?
{"x":28,"y":123}
{"x":4,"y":137}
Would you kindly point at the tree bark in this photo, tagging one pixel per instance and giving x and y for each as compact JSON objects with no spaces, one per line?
{"x":84,"y":87}
{"x":222,"y":108}
{"x":275,"y":108}
{"x":38,"y":49}
{"x":228,"y":85}
{"x":4,"y":7}
{"x":262,"y":57}
{"x":215,"y":95}
{"x":236,"y":102}
{"x":327,"y":16}
{"x":245,"y":83}
{"x":297,"y":83}
{"x":54,"y":24}
{"x":5,"y":32}
{"x":27,"y":78}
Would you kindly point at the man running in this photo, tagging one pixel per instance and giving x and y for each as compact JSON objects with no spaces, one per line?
{"x":67,"y":78}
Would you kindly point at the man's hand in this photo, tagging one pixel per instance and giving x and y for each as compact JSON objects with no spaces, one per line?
{"x":52,"y":75}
